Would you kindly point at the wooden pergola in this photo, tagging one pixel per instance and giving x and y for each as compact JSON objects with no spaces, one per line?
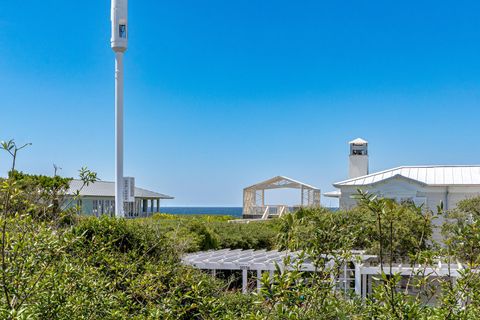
{"x":254,"y":205}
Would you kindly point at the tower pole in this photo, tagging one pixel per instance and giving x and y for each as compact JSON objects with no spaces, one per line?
{"x":119,"y":134}
{"x":119,"y":18}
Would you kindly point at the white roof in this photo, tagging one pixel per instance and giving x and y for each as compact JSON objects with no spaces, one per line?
{"x":238,"y":259}
{"x":279,"y":182}
{"x":107,"y":189}
{"x":358,"y":141}
{"x":427,"y":175}
{"x":333,"y":194}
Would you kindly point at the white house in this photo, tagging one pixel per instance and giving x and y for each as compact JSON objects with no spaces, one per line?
{"x":99,"y":198}
{"x":427,"y":185}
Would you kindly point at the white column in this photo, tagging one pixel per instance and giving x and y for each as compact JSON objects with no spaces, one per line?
{"x":244,"y":280}
{"x":365,"y":284}
{"x":301,"y":196}
{"x":119,"y":134}
{"x":358,"y":279}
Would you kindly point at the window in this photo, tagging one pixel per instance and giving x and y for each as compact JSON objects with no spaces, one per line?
{"x":359,"y":152}
{"x":122,"y":31}
{"x":406,"y":200}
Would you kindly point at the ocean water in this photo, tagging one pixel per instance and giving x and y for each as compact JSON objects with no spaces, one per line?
{"x":230,"y":211}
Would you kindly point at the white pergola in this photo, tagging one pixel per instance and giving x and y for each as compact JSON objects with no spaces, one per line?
{"x":356,"y":274}
{"x":244,"y":260}
{"x":254,"y":205}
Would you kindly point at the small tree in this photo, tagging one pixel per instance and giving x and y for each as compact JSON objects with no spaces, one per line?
{"x":11,"y":147}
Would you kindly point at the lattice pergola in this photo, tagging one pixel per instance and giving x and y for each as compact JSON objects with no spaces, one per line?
{"x":358,"y":272}
{"x":254,"y":197}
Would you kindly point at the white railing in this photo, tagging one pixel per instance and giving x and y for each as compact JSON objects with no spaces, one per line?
{"x":265,"y":212}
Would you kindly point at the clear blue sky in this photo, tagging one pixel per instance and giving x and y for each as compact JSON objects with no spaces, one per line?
{"x":222,"y":94}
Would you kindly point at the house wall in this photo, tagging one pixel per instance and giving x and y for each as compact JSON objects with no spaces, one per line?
{"x":88,"y":201}
{"x":400,"y":189}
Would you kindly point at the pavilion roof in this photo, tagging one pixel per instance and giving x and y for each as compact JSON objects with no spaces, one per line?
{"x":280,"y":182}
{"x":107,"y":189}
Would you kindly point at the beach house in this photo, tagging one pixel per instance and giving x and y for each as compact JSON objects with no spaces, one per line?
{"x":430,"y":185}
{"x":99,"y":198}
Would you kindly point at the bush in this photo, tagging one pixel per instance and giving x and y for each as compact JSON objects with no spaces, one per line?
{"x":199,"y":233}
{"x":107,"y":268}
{"x":254,"y":235}
{"x":408,"y":226}
{"x":38,"y":195}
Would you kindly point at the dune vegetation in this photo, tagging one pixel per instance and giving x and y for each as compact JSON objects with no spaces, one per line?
{"x":56,"y":264}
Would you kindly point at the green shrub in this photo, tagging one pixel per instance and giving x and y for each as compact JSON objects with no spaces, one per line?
{"x":356,"y":229}
{"x":189,"y":234}
{"x":107,"y":268}
{"x":254,"y":235}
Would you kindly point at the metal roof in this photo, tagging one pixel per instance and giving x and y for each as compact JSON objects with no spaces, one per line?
{"x":358,"y":141}
{"x":281,"y":182}
{"x":107,"y":189}
{"x":427,"y":175}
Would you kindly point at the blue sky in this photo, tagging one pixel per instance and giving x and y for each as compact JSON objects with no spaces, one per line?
{"x":222,"y":94}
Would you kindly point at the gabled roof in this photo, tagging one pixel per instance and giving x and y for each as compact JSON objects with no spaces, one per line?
{"x":107,"y":189}
{"x":281,"y":182}
{"x":427,"y":175}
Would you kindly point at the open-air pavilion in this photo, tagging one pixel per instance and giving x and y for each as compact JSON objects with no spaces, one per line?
{"x":254,"y":206}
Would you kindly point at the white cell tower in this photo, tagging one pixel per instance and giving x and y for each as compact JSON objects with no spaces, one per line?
{"x":119,"y":46}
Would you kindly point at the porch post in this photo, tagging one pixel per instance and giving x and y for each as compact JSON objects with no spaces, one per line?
{"x":158,"y":205}
{"x":301,"y":196}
